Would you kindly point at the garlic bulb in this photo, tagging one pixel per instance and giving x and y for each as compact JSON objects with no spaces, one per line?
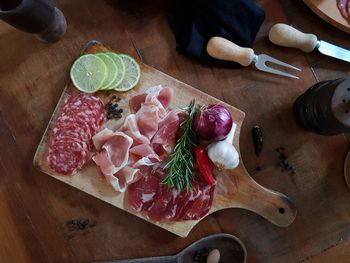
{"x":223,"y":154}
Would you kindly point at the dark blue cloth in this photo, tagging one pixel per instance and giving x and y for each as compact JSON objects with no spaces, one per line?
{"x":194,"y":22}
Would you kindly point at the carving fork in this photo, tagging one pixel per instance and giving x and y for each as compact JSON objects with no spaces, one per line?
{"x":224,"y":49}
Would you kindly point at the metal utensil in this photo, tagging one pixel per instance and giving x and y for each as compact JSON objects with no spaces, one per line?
{"x":231,"y":250}
{"x":287,"y":36}
{"x":347,"y":169}
{"x":224,"y":49}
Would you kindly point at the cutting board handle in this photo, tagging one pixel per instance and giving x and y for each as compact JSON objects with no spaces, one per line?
{"x":274,"y":206}
{"x":242,"y":191}
{"x":287,"y":36}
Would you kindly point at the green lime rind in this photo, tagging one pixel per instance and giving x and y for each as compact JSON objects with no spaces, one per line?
{"x":88,"y":73}
{"x":112,"y":70}
{"x":132,"y":73}
{"x":121,"y":69}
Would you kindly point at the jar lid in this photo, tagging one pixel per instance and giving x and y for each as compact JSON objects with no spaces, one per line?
{"x":341,"y":101}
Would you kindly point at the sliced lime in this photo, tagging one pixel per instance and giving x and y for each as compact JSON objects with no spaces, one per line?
{"x":132,"y":73}
{"x":111,"y":68}
{"x":88,"y":73}
{"x":121,"y":69}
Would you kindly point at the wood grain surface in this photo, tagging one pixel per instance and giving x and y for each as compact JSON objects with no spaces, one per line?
{"x":34,"y":207}
{"x":329,"y":12}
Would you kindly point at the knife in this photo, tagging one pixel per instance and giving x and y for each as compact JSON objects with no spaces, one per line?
{"x":287,"y":36}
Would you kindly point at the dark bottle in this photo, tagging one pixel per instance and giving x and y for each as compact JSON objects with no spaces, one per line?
{"x":325,"y":107}
{"x":39,"y":17}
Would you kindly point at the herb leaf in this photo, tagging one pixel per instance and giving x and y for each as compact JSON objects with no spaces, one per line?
{"x":182,"y":160}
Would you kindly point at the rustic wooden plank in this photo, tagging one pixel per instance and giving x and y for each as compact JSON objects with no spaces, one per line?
{"x":337,"y":252}
{"x":32,"y":75}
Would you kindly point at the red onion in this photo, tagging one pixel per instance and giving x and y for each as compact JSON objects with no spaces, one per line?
{"x":213,"y":122}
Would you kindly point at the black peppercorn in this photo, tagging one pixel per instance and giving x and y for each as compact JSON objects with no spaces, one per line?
{"x":257,"y":139}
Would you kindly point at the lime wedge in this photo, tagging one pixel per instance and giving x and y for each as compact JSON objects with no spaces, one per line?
{"x":88,"y":73}
{"x":121,"y":69}
{"x":111,"y":68}
{"x":132,"y":73}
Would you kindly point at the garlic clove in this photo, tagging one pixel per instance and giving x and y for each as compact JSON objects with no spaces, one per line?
{"x":214,"y":256}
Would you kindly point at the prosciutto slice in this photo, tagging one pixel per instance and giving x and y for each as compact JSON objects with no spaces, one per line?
{"x":159,"y":202}
{"x":113,"y":157}
{"x":168,"y":128}
{"x":152,"y":95}
{"x":147,"y":136}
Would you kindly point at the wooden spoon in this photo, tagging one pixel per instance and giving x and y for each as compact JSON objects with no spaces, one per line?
{"x":231,"y":249}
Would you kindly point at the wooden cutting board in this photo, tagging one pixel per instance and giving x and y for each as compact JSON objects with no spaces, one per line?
{"x":328,"y":11}
{"x":234,"y":188}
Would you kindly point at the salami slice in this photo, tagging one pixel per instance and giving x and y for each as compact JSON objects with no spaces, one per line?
{"x":78,"y":131}
{"x":80,"y":118}
{"x":67,"y":156}
{"x":90,"y":106}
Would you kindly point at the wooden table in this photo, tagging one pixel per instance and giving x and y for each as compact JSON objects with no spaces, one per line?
{"x":34,"y":207}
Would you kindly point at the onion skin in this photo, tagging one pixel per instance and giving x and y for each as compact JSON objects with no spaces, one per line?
{"x":213,"y":122}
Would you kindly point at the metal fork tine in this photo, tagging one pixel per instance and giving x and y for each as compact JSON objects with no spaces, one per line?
{"x":265,"y":58}
{"x":278,"y":72}
{"x":261,"y":64}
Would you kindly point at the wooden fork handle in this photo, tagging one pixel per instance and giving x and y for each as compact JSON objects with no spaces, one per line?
{"x":224,"y":49}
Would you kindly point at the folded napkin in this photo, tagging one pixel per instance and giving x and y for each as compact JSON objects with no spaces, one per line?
{"x":194,"y":22}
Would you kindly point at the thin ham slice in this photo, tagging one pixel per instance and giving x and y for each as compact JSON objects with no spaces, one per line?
{"x":131,"y":128}
{"x":154,"y":94}
{"x":150,"y":118}
{"x":164,"y":203}
{"x":142,"y":193}
{"x":113,"y":157}
{"x":101,"y":138}
{"x":168,"y":129}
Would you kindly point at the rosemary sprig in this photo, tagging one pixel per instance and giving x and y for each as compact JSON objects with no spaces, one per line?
{"x":182,"y":160}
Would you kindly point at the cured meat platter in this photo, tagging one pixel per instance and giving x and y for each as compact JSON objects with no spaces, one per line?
{"x":329,"y":12}
{"x":234,"y":188}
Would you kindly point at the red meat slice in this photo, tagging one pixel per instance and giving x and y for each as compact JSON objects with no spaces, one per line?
{"x":89,"y":107}
{"x":77,"y":130}
{"x":148,"y":194}
{"x":200,"y":206}
{"x":67,"y":156}
{"x":79,"y":119}
{"x":158,"y":209}
{"x":142,"y":193}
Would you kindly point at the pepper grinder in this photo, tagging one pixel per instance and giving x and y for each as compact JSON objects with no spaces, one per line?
{"x":325,"y":107}
{"x":39,"y":17}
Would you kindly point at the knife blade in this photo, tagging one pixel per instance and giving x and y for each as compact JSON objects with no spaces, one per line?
{"x":333,"y":51}
{"x":287,"y":36}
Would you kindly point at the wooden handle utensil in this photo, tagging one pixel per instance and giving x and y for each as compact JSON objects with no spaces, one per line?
{"x":224,"y":49}
{"x":287,"y":36}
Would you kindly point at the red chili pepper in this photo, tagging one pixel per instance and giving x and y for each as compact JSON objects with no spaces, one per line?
{"x":204,"y":164}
